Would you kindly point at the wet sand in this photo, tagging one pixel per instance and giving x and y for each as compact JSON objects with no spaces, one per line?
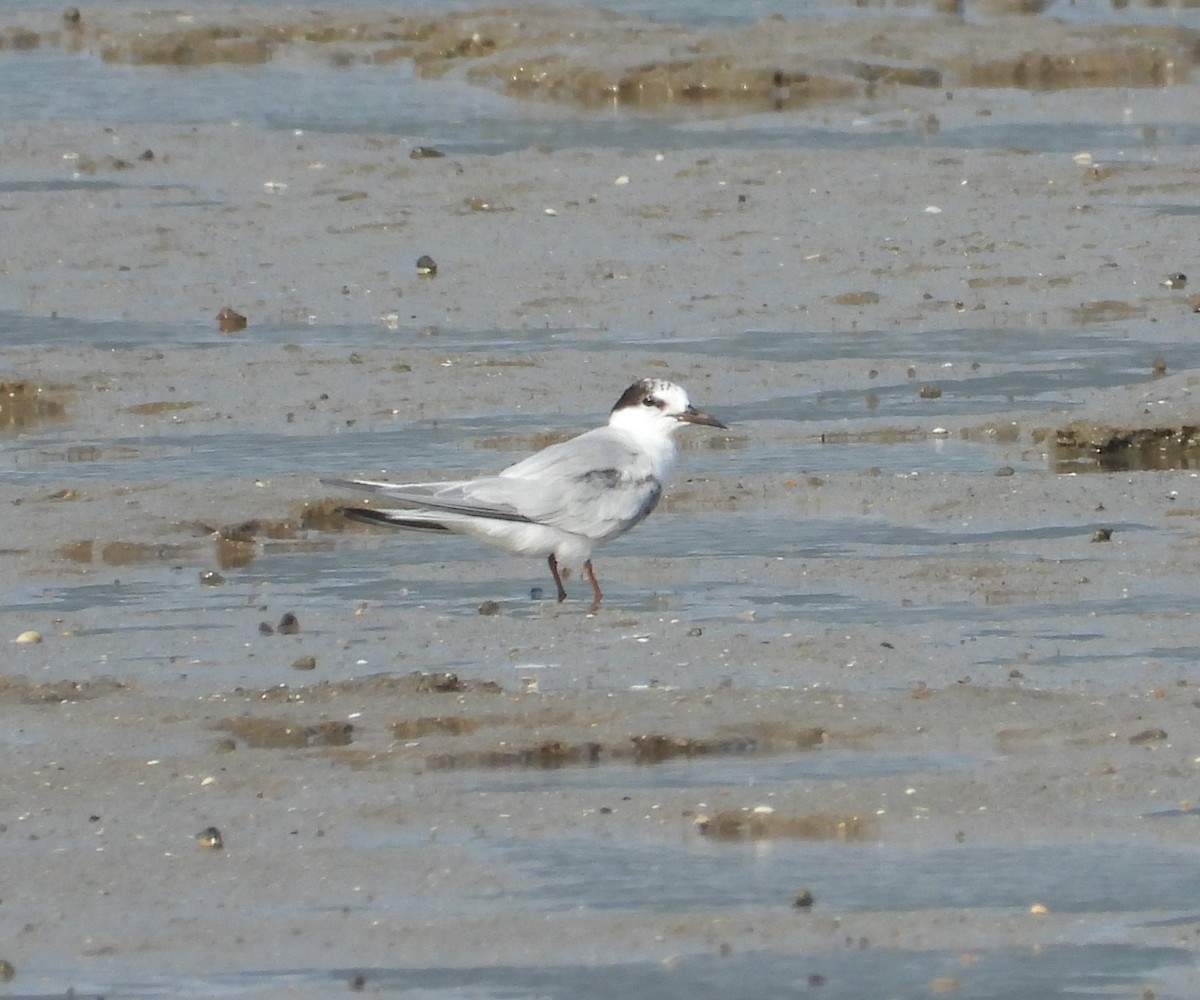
{"x":366,"y":807}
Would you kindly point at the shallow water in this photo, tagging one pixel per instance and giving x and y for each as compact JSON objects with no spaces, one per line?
{"x":981,"y":373}
{"x":459,"y":118}
{"x":160,"y":626}
{"x":47,"y":84}
{"x":1062,"y":972}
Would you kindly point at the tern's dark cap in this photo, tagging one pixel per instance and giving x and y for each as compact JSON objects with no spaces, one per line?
{"x":666,"y":396}
{"x":638,"y":393}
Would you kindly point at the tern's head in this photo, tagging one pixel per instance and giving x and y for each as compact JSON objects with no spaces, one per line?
{"x":654,"y":402}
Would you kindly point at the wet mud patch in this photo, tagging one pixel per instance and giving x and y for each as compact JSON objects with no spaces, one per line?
{"x":578,"y":731}
{"x":247,"y":532}
{"x":752,"y":824}
{"x":657,"y":748}
{"x":1106,"y":311}
{"x":991,"y":433}
{"x":1101,"y":66}
{"x":595,"y":58}
{"x":237,"y":545}
{"x":24,"y":405}
{"x":437,"y":725}
{"x":371,"y":688}
{"x":159,"y":407}
{"x":876,"y":435}
{"x":440,"y":722}
{"x":547,"y":755}
{"x":283,"y":734}
{"x":87,"y":550}
{"x":1084,"y":446}
{"x":646,"y":750}
{"x":326,"y":515}
{"x":26,"y":692}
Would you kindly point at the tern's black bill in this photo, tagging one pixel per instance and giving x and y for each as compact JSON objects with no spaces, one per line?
{"x":693,"y":416}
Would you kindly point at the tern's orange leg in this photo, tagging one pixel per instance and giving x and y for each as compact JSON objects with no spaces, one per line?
{"x":591,"y":578}
{"x":562,"y":594}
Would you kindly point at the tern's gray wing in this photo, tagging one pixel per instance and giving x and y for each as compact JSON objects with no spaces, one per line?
{"x":598,"y":484}
{"x":468,"y":497}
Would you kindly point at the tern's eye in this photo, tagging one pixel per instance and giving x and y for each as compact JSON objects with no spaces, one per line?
{"x":649,"y":401}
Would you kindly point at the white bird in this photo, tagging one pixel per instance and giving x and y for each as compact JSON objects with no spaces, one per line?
{"x":562,"y":501}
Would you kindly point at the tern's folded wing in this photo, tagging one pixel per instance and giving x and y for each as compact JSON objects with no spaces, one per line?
{"x":598,"y":485}
{"x":468,"y":497}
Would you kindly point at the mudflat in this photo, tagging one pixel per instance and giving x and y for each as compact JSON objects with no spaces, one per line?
{"x":813,"y":655}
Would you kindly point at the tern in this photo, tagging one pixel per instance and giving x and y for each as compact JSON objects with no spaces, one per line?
{"x":561,"y":502}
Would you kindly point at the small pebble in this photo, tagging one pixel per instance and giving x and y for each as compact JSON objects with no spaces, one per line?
{"x":930,"y":392}
{"x":29,"y":637}
{"x":1102,"y":535}
{"x":1005,"y":470}
{"x":536,"y":593}
{"x":1148,"y":736}
{"x":230,"y":321}
{"x":1177,"y":280}
{"x":289,"y":624}
{"x":488,"y":608}
{"x":210,"y":838}
{"x":425,"y":153}
{"x":426,"y":266}
{"x":304,"y":663}
{"x":211,"y":578}
{"x":803,"y":899}
{"x":7,"y":970}
{"x":266,"y":628}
